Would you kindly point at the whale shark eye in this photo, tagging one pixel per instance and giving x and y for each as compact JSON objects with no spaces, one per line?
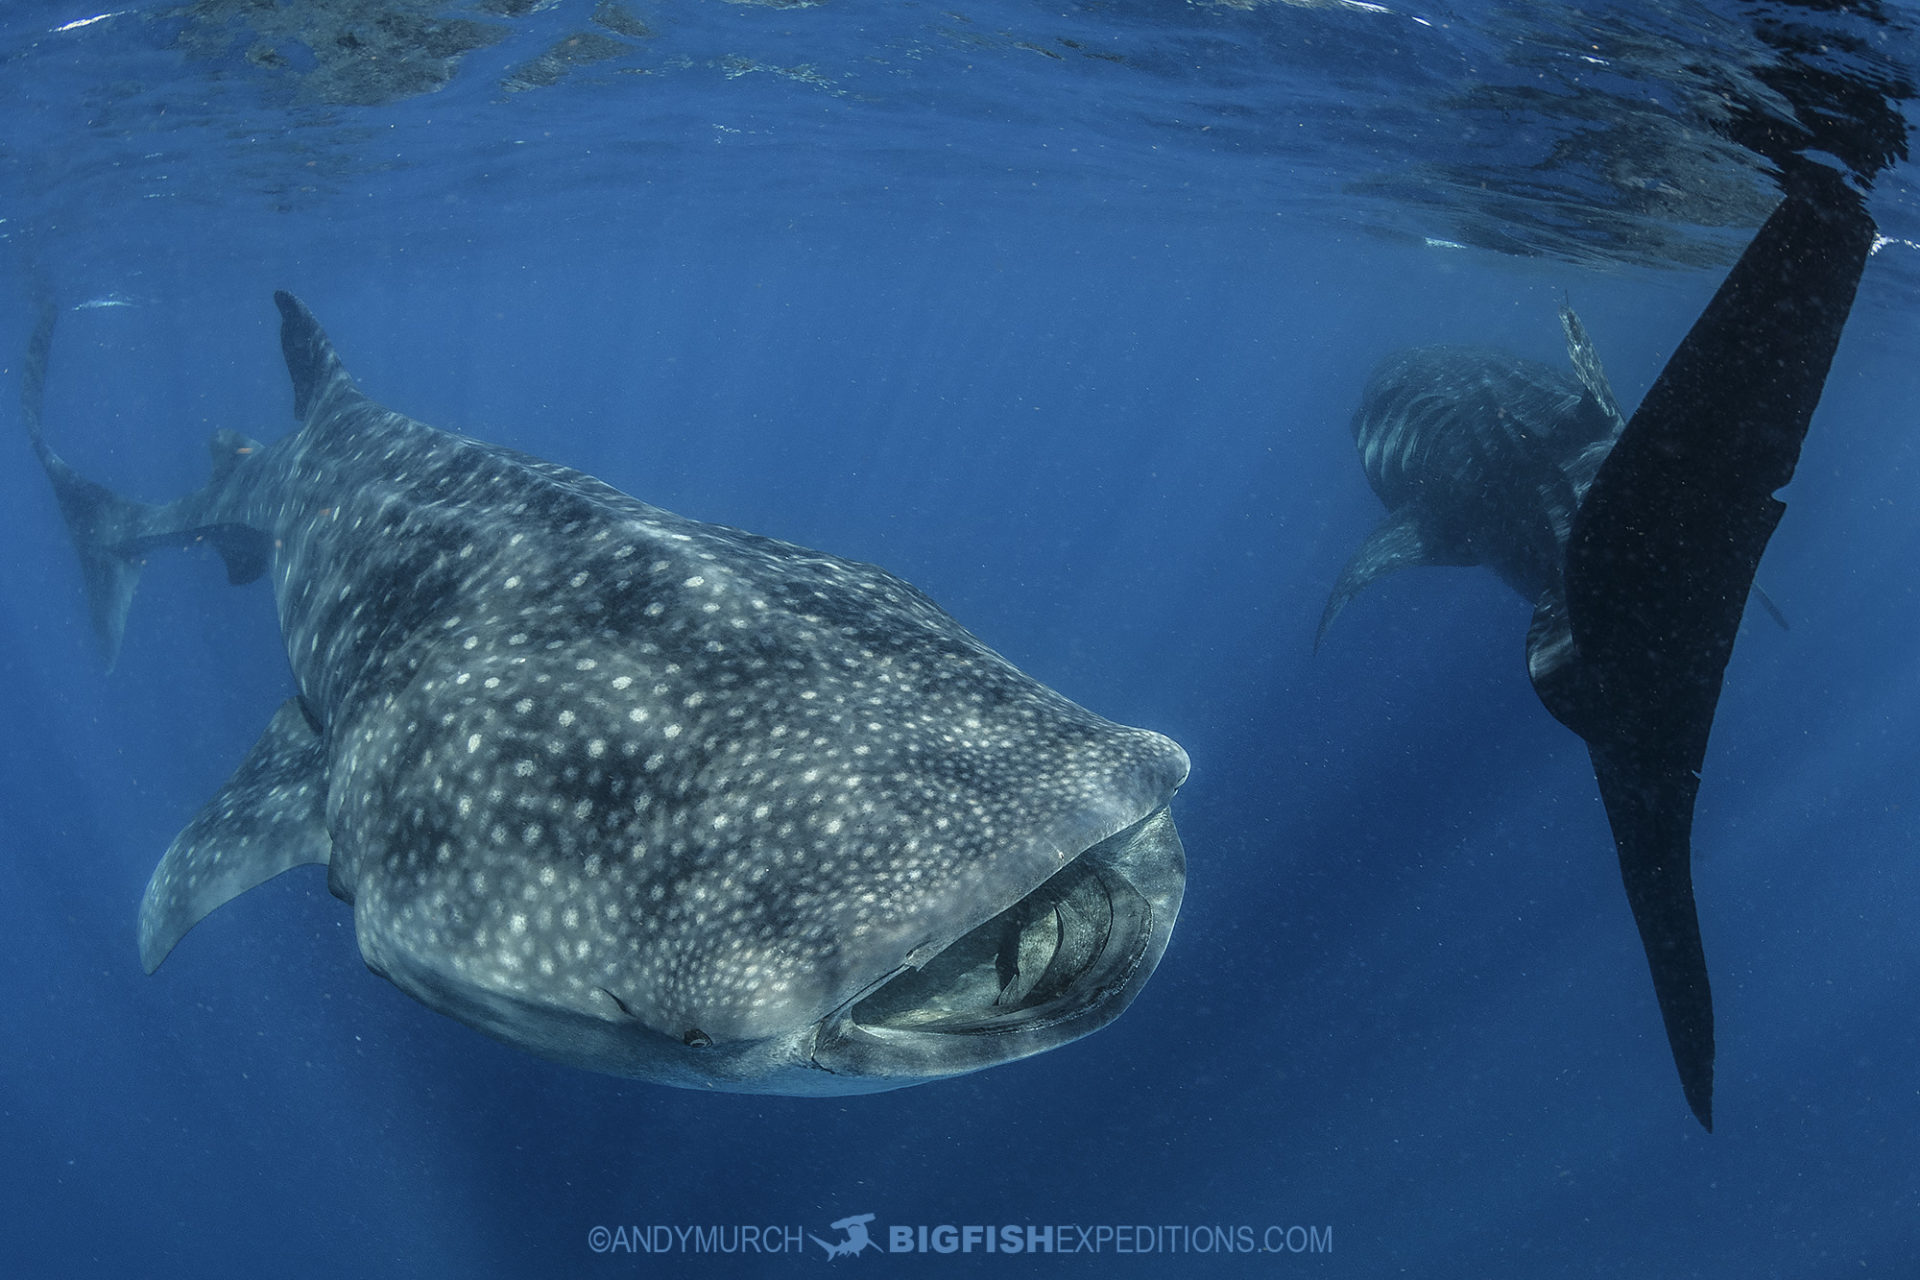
{"x":695,"y":1038}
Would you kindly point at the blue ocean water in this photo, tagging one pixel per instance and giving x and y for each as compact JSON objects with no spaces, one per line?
{"x":1059,"y":313}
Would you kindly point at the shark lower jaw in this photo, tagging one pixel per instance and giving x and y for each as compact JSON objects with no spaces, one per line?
{"x":1060,"y":963}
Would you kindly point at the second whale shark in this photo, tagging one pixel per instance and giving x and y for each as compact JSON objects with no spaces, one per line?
{"x":1636,"y":539}
{"x":1481,"y":458}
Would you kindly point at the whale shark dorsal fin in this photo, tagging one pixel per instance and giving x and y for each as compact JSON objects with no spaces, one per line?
{"x":1396,"y":543}
{"x":270,"y":816}
{"x":1586,"y":366}
{"x":228,"y":450}
{"x":318,"y":376}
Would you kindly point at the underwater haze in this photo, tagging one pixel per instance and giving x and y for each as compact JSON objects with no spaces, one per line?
{"x":1060,"y":313}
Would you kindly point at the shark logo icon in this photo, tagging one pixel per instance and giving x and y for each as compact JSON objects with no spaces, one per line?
{"x":856,"y":1238}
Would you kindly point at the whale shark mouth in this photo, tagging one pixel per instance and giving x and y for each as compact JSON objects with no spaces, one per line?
{"x":1049,"y":955}
{"x":1061,"y":962}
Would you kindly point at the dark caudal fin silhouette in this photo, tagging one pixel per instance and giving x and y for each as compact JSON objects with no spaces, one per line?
{"x":1663,"y":555}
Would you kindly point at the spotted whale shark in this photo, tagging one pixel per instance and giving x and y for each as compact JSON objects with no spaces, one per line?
{"x":638,"y":793}
{"x":1481,"y":458}
{"x":1636,"y":538}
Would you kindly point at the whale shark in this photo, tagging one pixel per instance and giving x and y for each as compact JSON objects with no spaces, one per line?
{"x":1480,"y":458}
{"x":1636,"y":538}
{"x":637,"y":793}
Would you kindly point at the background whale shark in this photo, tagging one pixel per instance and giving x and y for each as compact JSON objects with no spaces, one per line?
{"x":645,"y":795}
{"x":1481,"y":458}
{"x":1638,"y":540}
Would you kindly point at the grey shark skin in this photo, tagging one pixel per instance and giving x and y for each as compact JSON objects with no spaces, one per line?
{"x":1637,"y":543}
{"x":645,"y":795}
{"x":1480,"y":458}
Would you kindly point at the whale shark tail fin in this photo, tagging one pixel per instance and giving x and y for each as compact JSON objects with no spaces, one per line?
{"x":1395,"y":543}
{"x":1662,"y":558}
{"x":1650,"y":810}
{"x":99,"y":520}
{"x":112,"y":534}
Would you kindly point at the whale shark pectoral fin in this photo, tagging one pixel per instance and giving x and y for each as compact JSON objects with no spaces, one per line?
{"x":1559,"y":679}
{"x":1772,"y":608}
{"x":1396,"y":543}
{"x":1652,"y":819}
{"x":270,"y":816}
